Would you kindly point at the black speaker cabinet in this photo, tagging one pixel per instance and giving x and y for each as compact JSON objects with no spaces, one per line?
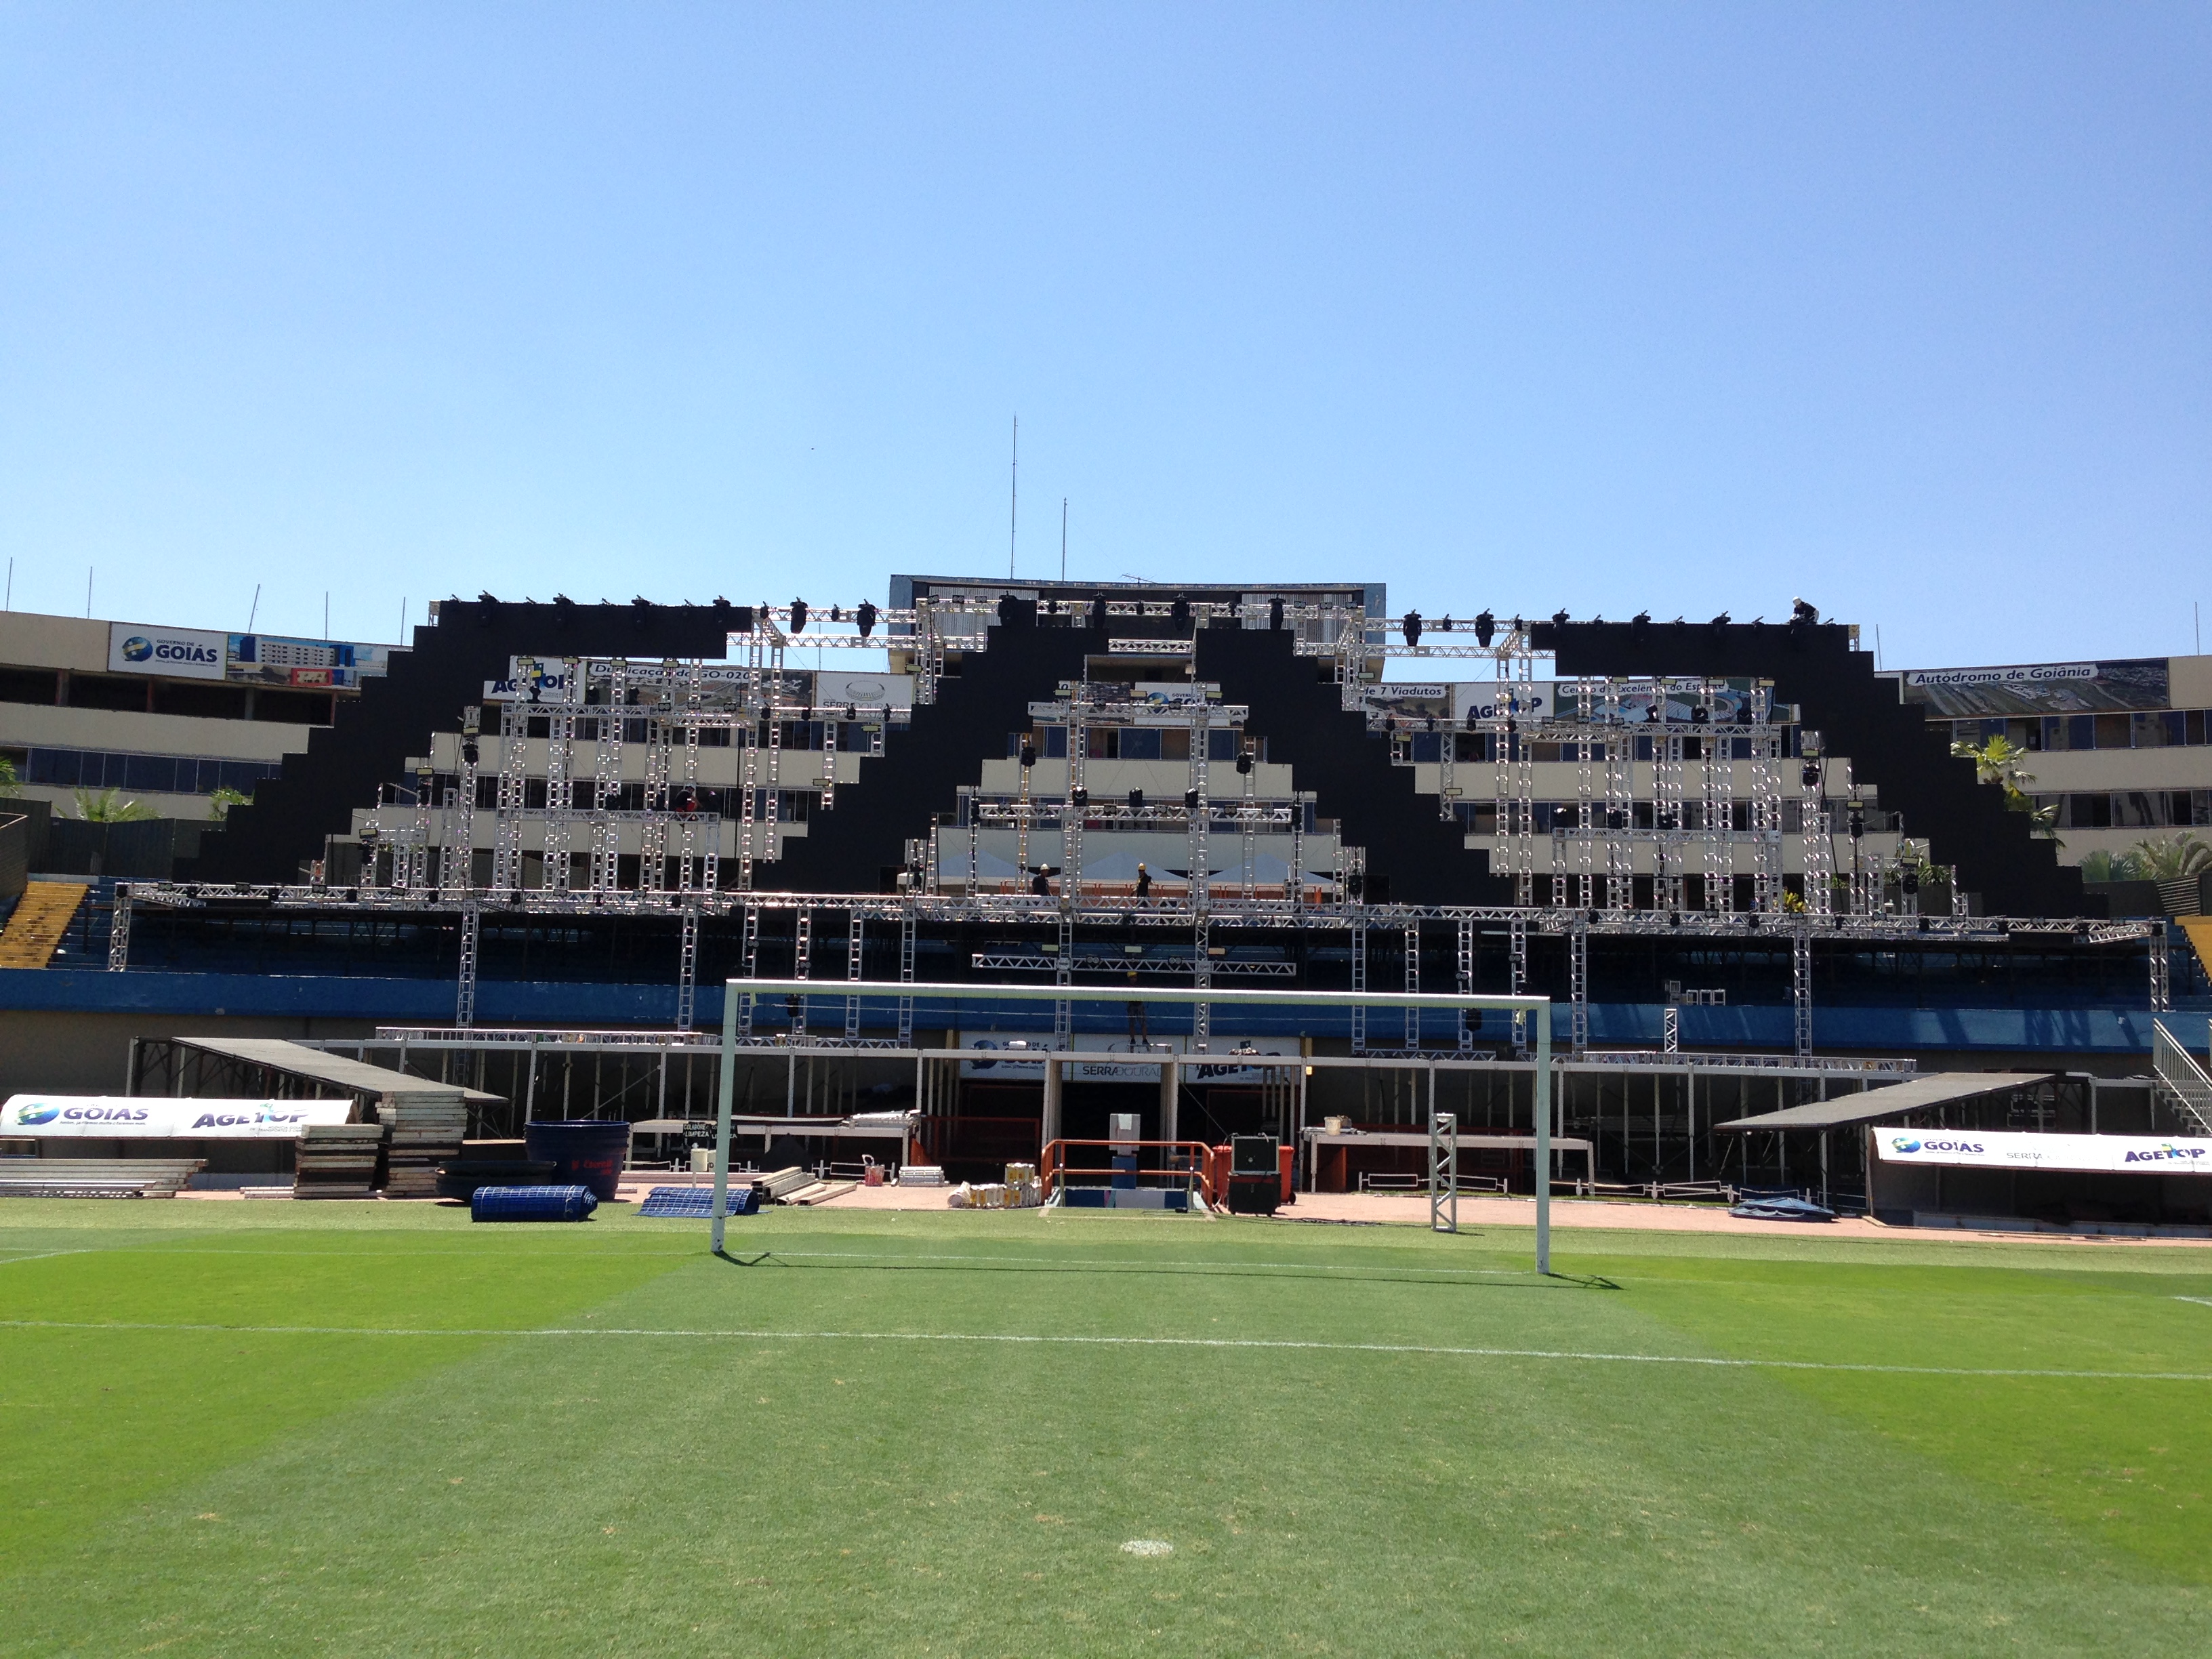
{"x":1254,"y":1194}
{"x":1253,"y":1155}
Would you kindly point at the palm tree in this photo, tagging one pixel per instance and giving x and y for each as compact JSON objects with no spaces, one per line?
{"x":2102,"y":866}
{"x":2171,"y":858}
{"x":1998,"y":761}
{"x":102,"y":807}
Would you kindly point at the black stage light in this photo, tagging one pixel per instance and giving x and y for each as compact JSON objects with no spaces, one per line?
{"x":469,"y":752}
{"x":1099,"y":614}
{"x":1179,"y":613}
{"x":1639,"y":626}
{"x":1558,"y":619}
{"x":1136,"y":800}
{"x":1485,"y":628}
{"x":1080,"y":795}
{"x":1412,"y":626}
{"x":836,"y":615}
{"x":1811,"y":776}
{"x":865,"y":615}
{"x":1028,"y":756}
{"x":1444,"y":625}
{"x":1244,"y":761}
{"x":1274,"y":615}
{"x":798,"y":615}
{"x":1190,"y":800}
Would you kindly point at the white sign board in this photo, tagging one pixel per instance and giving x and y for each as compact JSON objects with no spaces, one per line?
{"x":153,"y":1117}
{"x":187,"y":653}
{"x":1492,"y":700}
{"x":1021,"y":1060}
{"x":2011,"y":1149}
{"x":838,"y":689}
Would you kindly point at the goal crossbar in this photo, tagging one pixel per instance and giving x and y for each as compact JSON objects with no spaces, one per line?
{"x":1539,"y":1008}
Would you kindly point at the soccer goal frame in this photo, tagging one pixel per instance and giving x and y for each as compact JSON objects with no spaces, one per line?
{"x":1538,"y":1009}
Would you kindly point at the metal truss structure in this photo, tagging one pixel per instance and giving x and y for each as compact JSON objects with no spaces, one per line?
{"x":1677,"y":781}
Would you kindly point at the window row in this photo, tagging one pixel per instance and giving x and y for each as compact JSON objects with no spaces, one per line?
{"x":2132,"y":809}
{"x":160,"y":775}
{"x":2172,"y":728}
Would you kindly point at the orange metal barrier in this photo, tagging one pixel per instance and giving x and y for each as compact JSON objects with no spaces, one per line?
{"x":1197,"y":1154}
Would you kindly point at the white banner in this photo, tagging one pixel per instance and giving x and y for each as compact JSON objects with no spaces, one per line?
{"x":152,"y":1117}
{"x":2008,"y":1149}
{"x":836,"y":689}
{"x":1491,"y":700}
{"x":1021,"y":1060}
{"x":133,"y":649}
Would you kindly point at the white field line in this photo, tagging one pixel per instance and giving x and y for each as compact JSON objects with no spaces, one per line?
{"x":1432,"y":1350}
{"x":2201,"y":1301}
{"x":9,"y":1259}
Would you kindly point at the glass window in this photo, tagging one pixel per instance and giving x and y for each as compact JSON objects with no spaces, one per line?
{"x":2192,"y":731}
{"x":2147,"y":731}
{"x":156,"y":773}
{"x":2081,"y":731}
{"x":1221,"y":745}
{"x":2112,"y":731}
{"x":1430,"y":747}
{"x":2174,"y":725}
{"x":2054,"y":732}
{"x":1140,"y":743}
{"x":2089,"y":812}
{"x":1055,"y":742}
{"x":58,"y":766}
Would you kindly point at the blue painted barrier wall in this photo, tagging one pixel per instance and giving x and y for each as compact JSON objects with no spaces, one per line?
{"x":1763,"y":1028}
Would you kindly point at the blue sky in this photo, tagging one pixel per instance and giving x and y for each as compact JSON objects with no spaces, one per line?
{"x":1903,"y":309}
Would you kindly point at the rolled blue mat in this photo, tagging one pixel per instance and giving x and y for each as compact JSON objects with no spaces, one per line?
{"x":531,"y":1204}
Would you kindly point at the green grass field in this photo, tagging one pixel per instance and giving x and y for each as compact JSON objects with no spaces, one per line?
{"x":284,"y":1429}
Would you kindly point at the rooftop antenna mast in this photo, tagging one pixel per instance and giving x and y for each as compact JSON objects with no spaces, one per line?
{"x":1063,"y":538}
{"x":1013,"y":496}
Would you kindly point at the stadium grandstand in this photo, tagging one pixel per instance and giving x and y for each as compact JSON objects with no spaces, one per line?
{"x":1751,"y":870}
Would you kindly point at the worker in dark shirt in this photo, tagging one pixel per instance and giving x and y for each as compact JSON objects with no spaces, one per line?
{"x":1143,"y":882}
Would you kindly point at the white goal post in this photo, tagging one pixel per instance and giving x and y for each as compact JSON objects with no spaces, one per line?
{"x":1540,"y":1008}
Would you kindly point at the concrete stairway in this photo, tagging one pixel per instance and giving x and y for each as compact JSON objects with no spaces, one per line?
{"x":40,"y":922}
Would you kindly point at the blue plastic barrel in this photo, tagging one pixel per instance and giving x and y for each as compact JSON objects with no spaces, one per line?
{"x":587,"y":1150}
{"x":531,"y":1204}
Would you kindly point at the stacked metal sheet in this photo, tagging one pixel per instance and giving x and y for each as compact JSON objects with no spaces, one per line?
{"x":337,"y":1160}
{"x":96,"y":1177}
{"x":425,"y":1131}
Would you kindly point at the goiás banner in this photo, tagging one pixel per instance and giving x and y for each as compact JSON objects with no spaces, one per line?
{"x":2012,"y":1149}
{"x":129,"y":1117}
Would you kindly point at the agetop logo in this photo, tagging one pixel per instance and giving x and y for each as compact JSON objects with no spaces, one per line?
{"x":28,"y":1117}
{"x":2167,"y":1153}
{"x":236,"y":1120}
{"x":1905,"y":1145}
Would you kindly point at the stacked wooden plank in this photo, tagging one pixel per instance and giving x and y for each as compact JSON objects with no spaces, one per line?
{"x":337,"y":1160}
{"x":96,"y":1177}
{"x":424,"y":1131}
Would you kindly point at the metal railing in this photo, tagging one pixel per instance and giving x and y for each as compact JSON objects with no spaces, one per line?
{"x":2180,"y":1078}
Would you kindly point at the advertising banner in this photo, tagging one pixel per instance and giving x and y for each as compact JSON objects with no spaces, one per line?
{"x":117,"y":1117}
{"x":2012,"y":1149}
{"x":1491,"y":700}
{"x":187,"y":653}
{"x":1021,"y":1060}
{"x":278,"y":659}
{"x":1414,"y":704}
{"x":2044,"y":688}
{"x":868,"y":693}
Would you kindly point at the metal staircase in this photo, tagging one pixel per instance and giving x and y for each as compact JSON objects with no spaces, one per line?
{"x":2180,"y":1079}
